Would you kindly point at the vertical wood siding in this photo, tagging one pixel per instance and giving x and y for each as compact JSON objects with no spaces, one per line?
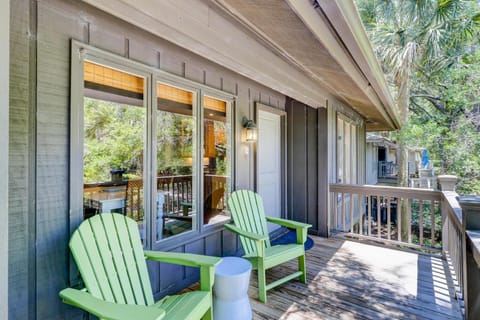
{"x":4,"y":128}
{"x":39,"y":143}
{"x":303,"y":175}
{"x":36,"y":275}
{"x":21,"y":178}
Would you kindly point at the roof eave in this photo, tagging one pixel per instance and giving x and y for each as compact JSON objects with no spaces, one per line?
{"x":354,"y":51}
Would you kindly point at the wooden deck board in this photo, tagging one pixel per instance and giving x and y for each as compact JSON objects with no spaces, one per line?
{"x":351,"y":280}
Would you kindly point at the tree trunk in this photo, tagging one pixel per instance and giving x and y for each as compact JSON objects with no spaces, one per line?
{"x":403,"y":99}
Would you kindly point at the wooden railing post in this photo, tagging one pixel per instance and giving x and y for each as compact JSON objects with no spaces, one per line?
{"x":471,"y":268}
{"x":447,"y":183}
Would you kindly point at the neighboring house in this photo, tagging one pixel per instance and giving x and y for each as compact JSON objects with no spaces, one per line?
{"x":303,"y":71}
{"x":381,"y":155}
{"x":382,"y":164}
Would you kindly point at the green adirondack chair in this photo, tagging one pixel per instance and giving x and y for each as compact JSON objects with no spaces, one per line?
{"x":111,"y":260}
{"x":250,"y":221}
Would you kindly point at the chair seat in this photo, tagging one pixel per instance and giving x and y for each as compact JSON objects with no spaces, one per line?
{"x":278,"y":254}
{"x":181,"y":306}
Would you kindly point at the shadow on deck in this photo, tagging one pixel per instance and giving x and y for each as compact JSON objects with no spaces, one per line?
{"x":351,"y":280}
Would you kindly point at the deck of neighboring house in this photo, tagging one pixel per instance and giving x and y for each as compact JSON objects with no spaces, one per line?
{"x":352,"y":280}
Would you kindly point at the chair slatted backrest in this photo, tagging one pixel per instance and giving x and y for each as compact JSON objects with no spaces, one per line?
{"x":109,"y":254}
{"x":247,"y":211}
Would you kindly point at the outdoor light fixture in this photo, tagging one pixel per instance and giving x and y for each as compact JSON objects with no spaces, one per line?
{"x":249,"y":130}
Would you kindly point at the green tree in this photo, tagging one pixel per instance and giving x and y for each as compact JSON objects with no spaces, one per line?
{"x":416,"y":41}
{"x":113,"y":139}
{"x":412,"y":38}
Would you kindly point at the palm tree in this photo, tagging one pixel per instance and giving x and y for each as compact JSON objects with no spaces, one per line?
{"x":413,"y":38}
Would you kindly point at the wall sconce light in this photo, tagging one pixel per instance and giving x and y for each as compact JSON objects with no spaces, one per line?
{"x":249,"y":130}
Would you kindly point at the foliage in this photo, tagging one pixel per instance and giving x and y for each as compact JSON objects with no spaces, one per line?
{"x":428,"y":50}
{"x":113,"y":139}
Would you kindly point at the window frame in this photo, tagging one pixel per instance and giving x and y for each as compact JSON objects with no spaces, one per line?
{"x":81,"y":52}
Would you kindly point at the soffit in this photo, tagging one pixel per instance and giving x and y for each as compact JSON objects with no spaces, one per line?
{"x":286,"y":32}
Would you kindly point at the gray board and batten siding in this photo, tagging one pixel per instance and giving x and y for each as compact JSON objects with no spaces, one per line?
{"x":41,"y":34}
{"x":311,"y":160}
{"x":4,"y":103}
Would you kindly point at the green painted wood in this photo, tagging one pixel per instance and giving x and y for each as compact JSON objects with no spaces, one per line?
{"x":114,"y":279}
{"x":250,"y":221}
{"x":116,"y":261}
{"x":247,"y":212}
{"x":136,"y":267}
{"x":110,"y":257}
{"x":179,"y":307}
{"x":108,"y":310}
{"x":94,"y":276}
{"x":281,"y":281}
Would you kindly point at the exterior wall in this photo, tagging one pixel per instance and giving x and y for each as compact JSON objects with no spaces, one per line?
{"x":302,"y":163}
{"x":21,"y":180}
{"x":39,"y":138}
{"x":392,"y":155}
{"x":371,"y":164}
{"x":39,"y":147}
{"x":4,"y":103}
{"x":309,"y":137}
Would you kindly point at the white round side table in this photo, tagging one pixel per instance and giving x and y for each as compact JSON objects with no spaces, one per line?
{"x":230,"y":289}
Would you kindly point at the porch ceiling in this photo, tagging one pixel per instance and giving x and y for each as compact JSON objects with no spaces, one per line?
{"x":321,"y":40}
{"x":308,"y":50}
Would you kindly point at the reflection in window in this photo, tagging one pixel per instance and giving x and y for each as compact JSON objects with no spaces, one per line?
{"x":216,"y":159}
{"x":175,"y":131}
{"x":113,"y":142}
{"x":169,"y":166}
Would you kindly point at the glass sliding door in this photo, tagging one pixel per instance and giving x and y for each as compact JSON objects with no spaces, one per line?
{"x":114,"y":131}
{"x":176,"y":172}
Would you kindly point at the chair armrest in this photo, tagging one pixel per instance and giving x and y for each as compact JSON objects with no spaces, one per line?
{"x":205,"y":263}
{"x":260,"y":240}
{"x":184,"y":259}
{"x":246,"y":234}
{"x":300,"y":227}
{"x":288,"y":223}
{"x":109,"y":310}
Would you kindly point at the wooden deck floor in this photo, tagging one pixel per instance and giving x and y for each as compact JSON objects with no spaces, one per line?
{"x":351,"y":280}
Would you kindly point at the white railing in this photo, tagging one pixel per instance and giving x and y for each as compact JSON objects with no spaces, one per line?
{"x":454,"y":242}
{"x":405,"y":216}
{"x":422,"y":219}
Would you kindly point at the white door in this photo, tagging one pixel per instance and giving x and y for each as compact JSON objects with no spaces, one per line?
{"x":269,"y":171}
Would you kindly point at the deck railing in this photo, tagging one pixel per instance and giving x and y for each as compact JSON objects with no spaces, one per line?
{"x":179,"y":189}
{"x":454,"y":242}
{"x":422,"y":219}
{"x":405,"y":216}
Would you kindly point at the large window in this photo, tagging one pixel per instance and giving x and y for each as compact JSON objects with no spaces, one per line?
{"x":148,"y":145}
